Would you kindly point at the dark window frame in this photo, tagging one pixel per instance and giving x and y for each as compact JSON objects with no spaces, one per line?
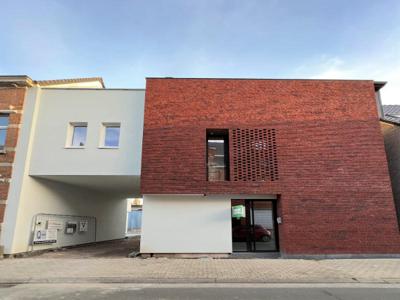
{"x":224,"y":135}
{"x":4,"y":128}
{"x":251,"y":244}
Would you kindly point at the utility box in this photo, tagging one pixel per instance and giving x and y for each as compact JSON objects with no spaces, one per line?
{"x":54,"y":231}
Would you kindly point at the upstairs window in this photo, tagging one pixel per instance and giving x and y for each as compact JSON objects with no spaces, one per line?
{"x":217,"y":155}
{"x":110,"y":135}
{"x":4,"y":119}
{"x":77,"y":133}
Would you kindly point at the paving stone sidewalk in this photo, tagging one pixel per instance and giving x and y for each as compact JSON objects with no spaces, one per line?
{"x":206,"y":270}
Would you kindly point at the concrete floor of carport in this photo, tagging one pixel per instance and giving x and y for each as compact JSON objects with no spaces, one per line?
{"x":108,"y":249}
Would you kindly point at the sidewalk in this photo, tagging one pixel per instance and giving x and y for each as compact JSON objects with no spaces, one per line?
{"x":155,"y":270}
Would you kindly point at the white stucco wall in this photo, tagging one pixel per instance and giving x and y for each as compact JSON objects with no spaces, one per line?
{"x":186,"y":224}
{"x":44,"y":196}
{"x":40,"y":151}
{"x":59,"y":107}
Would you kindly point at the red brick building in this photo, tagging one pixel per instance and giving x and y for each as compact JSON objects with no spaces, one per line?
{"x":304,"y":159}
{"x":12,"y":97}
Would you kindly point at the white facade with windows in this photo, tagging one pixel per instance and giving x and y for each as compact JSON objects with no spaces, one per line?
{"x":78,"y":156}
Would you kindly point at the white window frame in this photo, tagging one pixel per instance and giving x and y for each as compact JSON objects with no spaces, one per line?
{"x":102,"y":140}
{"x":6,"y":129}
{"x":70,"y":134}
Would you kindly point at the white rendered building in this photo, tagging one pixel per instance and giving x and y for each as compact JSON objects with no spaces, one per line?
{"x":77,"y":160}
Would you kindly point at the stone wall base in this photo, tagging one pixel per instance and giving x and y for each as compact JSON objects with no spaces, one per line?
{"x":185,"y":255}
{"x":339,"y":256}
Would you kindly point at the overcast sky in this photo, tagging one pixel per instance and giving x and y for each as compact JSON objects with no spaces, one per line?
{"x":126,"y":40}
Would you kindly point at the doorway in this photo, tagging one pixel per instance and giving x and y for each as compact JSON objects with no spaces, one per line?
{"x":254,"y":227}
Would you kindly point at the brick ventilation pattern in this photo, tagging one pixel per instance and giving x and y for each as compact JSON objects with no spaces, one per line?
{"x":254,"y":155}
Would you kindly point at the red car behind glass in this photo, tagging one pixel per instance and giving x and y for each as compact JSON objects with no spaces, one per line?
{"x":241,"y":232}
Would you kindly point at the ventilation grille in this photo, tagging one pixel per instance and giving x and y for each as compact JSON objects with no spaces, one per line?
{"x":254,"y":155}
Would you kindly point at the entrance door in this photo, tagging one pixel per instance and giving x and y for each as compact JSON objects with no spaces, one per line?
{"x":254,"y":229}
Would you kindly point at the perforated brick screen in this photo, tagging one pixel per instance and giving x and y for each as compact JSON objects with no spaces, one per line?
{"x":254,"y":155}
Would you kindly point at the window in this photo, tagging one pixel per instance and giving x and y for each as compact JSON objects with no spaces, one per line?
{"x":4,"y":118}
{"x":77,"y":135}
{"x":217,"y":155}
{"x":110,"y":135}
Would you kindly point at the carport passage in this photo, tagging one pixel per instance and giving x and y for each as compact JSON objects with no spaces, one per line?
{"x":109,"y":249}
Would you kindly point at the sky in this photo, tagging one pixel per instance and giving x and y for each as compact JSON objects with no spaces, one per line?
{"x":125,"y":41}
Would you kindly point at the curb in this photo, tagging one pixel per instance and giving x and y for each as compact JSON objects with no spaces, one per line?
{"x":123,"y":280}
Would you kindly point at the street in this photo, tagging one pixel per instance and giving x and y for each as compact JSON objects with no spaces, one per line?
{"x":202,"y":291}
{"x":103,"y":271}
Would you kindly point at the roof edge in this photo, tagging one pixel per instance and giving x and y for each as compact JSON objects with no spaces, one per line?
{"x":67,"y":81}
{"x":95,"y":89}
{"x":379,"y":84}
{"x":253,"y":78}
{"x":26,"y":81}
{"x":16,"y":81}
{"x":389,"y":122}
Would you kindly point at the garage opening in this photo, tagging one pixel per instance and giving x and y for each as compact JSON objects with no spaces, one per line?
{"x":254,"y":227}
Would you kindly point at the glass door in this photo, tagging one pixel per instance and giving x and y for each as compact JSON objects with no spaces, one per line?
{"x":264,"y":233}
{"x":241,"y":226}
{"x":254,"y":226}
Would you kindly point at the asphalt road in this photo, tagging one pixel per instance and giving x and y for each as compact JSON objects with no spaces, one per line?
{"x":202,"y":291}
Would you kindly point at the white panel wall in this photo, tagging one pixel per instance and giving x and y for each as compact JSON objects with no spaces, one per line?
{"x":59,"y":107}
{"x":186,"y":224}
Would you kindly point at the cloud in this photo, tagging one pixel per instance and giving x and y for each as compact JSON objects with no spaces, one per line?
{"x":383,"y":69}
{"x":332,"y":68}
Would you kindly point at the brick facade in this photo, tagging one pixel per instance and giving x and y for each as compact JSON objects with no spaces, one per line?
{"x":333,"y":185}
{"x":11,"y":99}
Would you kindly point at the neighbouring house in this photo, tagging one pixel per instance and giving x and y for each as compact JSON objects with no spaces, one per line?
{"x":290,"y":166}
{"x":12,"y":97}
{"x":390,"y":125}
{"x":134,"y":216}
{"x":76,"y":161}
{"x":391,"y":113}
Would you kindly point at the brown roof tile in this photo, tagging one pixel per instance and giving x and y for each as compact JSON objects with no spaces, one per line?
{"x":66,"y":81}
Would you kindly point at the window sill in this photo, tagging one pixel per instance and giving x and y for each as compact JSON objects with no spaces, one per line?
{"x":107,"y":147}
{"x":74,"y":147}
